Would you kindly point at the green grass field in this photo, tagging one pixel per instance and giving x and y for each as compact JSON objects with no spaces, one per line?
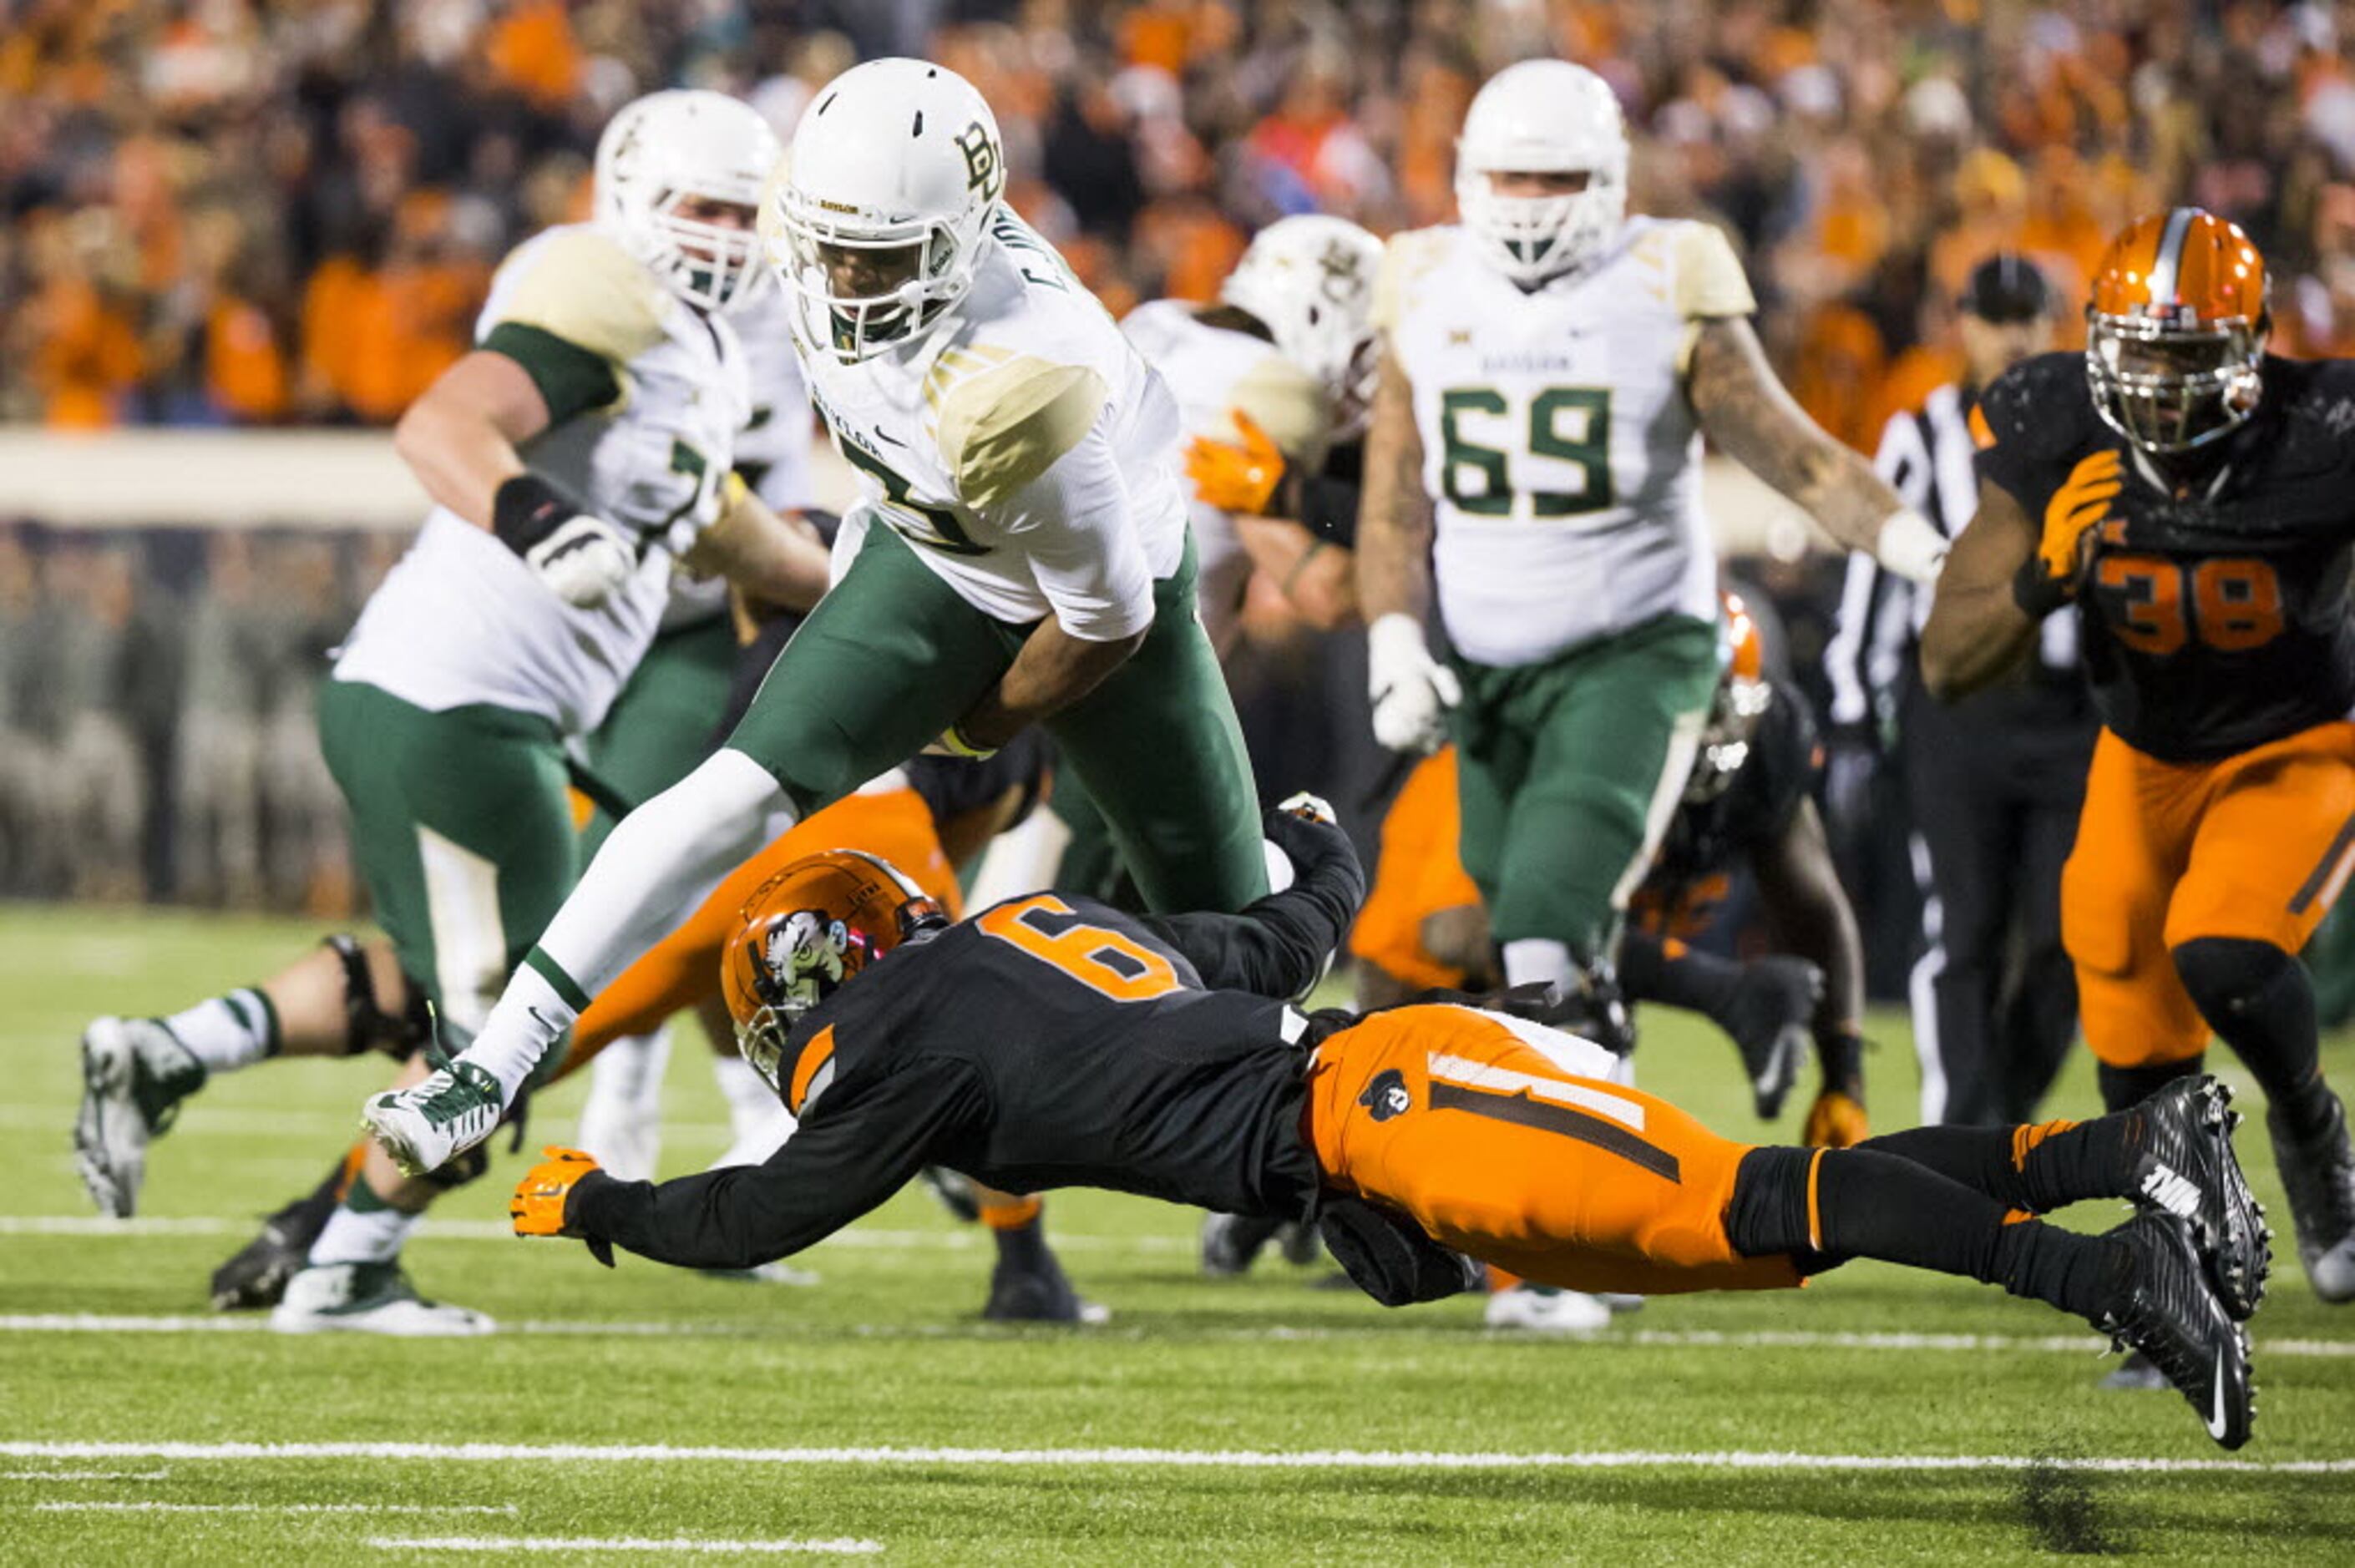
{"x":1264,"y":1420}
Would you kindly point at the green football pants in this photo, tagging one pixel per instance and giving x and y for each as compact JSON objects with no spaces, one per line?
{"x":891,"y":658}
{"x":1569,"y":770}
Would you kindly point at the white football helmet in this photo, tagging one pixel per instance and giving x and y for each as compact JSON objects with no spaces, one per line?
{"x":1542,"y":117}
{"x":1310,"y":280}
{"x":665,"y":149}
{"x":875,"y":225}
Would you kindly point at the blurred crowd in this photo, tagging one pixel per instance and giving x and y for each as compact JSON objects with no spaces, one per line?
{"x":262,"y":211}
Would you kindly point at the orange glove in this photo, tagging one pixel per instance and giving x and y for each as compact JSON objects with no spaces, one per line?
{"x":1835,"y":1121}
{"x":538,"y":1206}
{"x":1236,"y":477}
{"x":2048,"y":579}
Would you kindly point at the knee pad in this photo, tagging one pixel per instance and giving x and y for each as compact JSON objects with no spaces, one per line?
{"x":366,"y":1026}
{"x":2228,"y":977}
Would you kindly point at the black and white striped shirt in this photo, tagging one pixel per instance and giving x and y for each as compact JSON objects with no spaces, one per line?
{"x":1926,"y":456}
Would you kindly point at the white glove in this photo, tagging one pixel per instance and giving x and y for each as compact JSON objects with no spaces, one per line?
{"x":1411,"y":691}
{"x":584,"y":560}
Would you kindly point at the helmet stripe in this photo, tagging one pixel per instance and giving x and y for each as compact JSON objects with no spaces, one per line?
{"x":2168,"y":264}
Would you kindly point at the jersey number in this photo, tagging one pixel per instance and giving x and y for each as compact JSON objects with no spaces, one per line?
{"x":2230,"y":606}
{"x":685,"y":459}
{"x":1572,"y":424}
{"x":1104,"y":960}
{"x":939,"y":529}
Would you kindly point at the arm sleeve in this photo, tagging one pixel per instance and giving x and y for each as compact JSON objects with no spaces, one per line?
{"x":848,"y":1157}
{"x":1278,"y":946}
{"x":1073,"y":522}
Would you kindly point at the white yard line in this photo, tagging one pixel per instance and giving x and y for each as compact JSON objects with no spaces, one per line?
{"x":845,"y":1547}
{"x":153,"y":1507}
{"x":1154,"y":1458}
{"x":1649,"y":1338}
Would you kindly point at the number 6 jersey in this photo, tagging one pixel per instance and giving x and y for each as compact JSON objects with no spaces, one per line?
{"x":2214,"y":610}
{"x":1559,"y":449}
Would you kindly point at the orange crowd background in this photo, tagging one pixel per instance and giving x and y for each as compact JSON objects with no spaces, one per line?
{"x":286,"y":211}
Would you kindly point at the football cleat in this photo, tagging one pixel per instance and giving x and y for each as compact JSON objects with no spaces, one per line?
{"x":1232,"y":1242}
{"x":426,"y":1127}
{"x":2318,"y":1175}
{"x":1768,"y":1016}
{"x":1037,"y":1293}
{"x":2135,"y":1374}
{"x":2184,"y":1165}
{"x":1543,"y":1310}
{"x":369,"y":1298}
{"x":135,"y":1073}
{"x":256,"y":1275}
{"x":2166,"y":1310}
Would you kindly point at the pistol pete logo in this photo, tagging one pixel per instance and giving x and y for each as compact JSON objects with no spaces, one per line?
{"x":982,"y":170}
{"x":1387,"y":1096}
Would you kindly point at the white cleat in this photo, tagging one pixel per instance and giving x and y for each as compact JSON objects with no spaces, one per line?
{"x":369,"y":1298}
{"x":1545,"y":1310}
{"x":426,"y":1127}
{"x":135,"y":1073}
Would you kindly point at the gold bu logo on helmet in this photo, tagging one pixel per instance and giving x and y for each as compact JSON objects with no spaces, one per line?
{"x":982,"y":171}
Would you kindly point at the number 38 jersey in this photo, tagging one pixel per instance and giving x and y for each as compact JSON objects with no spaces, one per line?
{"x":646,"y":397}
{"x":1558,"y":446}
{"x":2215,"y":615}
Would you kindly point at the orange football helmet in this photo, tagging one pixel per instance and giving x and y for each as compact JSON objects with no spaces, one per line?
{"x":2175,"y":332}
{"x":1743,"y":694}
{"x":805,"y":931}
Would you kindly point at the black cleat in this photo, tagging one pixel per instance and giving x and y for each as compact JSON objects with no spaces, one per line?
{"x":2166,"y":1310}
{"x":256,"y":1276}
{"x":1029,"y":1293}
{"x":1233,"y":1243}
{"x":2318,"y":1175}
{"x":2184,"y":1165}
{"x":1768,"y":1014}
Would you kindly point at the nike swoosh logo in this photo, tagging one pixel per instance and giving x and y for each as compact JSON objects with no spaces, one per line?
{"x":888,"y":436}
{"x":541,"y":1019}
{"x":2216,"y":1417}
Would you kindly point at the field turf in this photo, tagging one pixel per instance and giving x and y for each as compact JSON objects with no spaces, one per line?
{"x":650,"y":1416}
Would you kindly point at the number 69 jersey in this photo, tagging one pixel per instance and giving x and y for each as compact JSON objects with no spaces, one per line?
{"x":646,"y":397}
{"x":1559,"y":449}
{"x":2215,"y":617}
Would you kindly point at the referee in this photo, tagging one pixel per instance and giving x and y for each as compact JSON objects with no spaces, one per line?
{"x":1993,"y":782}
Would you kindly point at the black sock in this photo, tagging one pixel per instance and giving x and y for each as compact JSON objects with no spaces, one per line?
{"x":1872,"y":1203}
{"x":2260,"y":1001}
{"x":1023,"y":1247}
{"x":2042,"y":1168}
{"x":2123,"y":1089}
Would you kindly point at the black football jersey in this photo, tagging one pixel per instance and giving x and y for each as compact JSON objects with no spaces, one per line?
{"x":2214,"y":611}
{"x":1049,"y":1041}
{"x":1708,"y":841}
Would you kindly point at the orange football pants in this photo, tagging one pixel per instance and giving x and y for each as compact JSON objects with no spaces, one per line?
{"x":1505,"y":1141}
{"x":1419,"y":872}
{"x":2255,"y":845}
{"x":684,"y":968}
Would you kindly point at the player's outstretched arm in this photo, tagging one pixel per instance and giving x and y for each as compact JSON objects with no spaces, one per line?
{"x":1278,"y":946}
{"x":848,"y":1157}
{"x":1976,"y":629}
{"x":459,"y":437}
{"x":1745,"y":410}
{"x":771,"y":557}
{"x":1809,"y":915}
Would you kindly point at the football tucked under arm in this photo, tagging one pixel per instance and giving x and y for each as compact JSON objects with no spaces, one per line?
{"x":1278,"y":946}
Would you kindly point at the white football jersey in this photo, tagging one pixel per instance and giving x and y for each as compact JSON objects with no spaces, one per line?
{"x":1215,"y":373}
{"x":461,"y":619}
{"x":948,"y":432}
{"x":773,"y":451}
{"x":1558,"y":450}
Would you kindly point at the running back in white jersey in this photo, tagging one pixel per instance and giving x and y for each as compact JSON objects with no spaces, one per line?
{"x":948,"y":431}
{"x":461,"y":619}
{"x":1215,"y":373}
{"x":1559,"y":451}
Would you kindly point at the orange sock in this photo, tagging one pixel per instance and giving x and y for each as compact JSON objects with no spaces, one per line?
{"x":1013,"y":1215}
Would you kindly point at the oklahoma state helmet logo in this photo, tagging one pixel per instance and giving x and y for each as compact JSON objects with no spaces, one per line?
{"x":982,"y":171}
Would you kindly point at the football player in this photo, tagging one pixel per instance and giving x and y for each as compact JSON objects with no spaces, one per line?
{"x":1022,"y":556}
{"x":575,"y":456}
{"x":2186,"y":493}
{"x":1747,"y":805}
{"x":1549,"y":366}
{"x":1054,"y":1041}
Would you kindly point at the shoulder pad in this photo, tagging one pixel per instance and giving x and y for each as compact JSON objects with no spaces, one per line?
{"x":1004,"y":418}
{"x":579,"y":285}
{"x":2317,"y":409}
{"x":2040,"y":408}
{"x":1405,"y":257}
